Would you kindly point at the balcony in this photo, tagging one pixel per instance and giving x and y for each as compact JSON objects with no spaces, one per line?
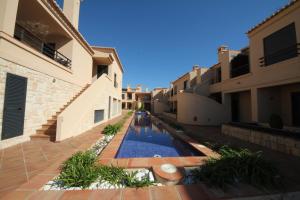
{"x":281,"y":55}
{"x":33,"y":41}
{"x":239,"y":70}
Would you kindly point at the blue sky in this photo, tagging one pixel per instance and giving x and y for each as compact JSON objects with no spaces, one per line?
{"x":159,"y":40}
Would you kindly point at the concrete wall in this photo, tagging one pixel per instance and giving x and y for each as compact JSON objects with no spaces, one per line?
{"x":159,"y":107}
{"x":206,"y":111}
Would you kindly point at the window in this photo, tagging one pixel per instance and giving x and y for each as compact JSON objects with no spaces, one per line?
{"x":102,"y":69}
{"x":98,"y":116}
{"x":175,"y":90}
{"x":218,"y":75}
{"x":129,"y":96}
{"x":184,"y":85}
{"x":123,"y":96}
{"x":281,"y":45}
{"x":115,"y":80}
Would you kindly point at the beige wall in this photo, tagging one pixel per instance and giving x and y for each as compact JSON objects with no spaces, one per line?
{"x":79,"y":116}
{"x":206,"y":110}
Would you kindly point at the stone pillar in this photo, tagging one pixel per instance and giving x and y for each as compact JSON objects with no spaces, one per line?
{"x":8,"y":15}
{"x":254,"y":105}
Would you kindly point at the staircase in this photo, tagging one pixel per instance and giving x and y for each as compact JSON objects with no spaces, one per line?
{"x":48,"y":130}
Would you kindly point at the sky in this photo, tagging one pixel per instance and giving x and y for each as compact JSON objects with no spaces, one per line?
{"x":159,"y":40}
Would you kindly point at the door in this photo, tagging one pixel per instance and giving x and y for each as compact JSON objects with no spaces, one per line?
{"x":14,"y":106}
{"x":235,"y":110}
{"x":296,"y":108}
{"x":109,"y":105}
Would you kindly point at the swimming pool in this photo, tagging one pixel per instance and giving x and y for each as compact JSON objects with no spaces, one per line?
{"x":146,"y":139}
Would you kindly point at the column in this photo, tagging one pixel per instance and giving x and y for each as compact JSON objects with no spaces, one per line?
{"x":8,"y":15}
{"x":254,"y":105}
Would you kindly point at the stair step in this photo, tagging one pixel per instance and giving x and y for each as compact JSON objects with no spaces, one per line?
{"x":49,"y":126}
{"x":46,"y":132}
{"x":42,"y":137}
{"x":51,"y":121}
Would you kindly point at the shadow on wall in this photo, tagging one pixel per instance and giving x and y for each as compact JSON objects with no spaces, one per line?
{"x":200,"y":110}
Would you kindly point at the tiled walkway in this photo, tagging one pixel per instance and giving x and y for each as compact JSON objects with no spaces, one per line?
{"x":18,"y":164}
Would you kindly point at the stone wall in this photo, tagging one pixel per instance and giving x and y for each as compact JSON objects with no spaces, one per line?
{"x":276,"y":142}
{"x":45,"y":96}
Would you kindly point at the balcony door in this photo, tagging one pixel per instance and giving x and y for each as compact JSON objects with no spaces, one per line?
{"x":14,"y":106}
{"x":296,"y":108}
{"x":102,"y":69}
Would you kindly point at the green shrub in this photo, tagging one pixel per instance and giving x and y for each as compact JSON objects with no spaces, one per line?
{"x":118,"y":176}
{"x":236,"y":166}
{"x":130,"y":113}
{"x":79,"y":170}
{"x":111,"y":129}
{"x":275,"y":121}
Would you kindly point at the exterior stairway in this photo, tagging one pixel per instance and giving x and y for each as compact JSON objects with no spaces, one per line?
{"x":48,"y":130}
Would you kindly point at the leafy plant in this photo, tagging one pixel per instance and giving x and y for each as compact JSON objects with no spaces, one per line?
{"x":118,"y":176}
{"x":129,"y":113}
{"x":275,"y":121}
{"x":111,"y":129}
{"x":132,"y":181}
{"x":79,"y":170}
{"x":236,"y":166}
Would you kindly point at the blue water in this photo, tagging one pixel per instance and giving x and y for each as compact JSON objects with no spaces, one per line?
{"x":145,"y":139}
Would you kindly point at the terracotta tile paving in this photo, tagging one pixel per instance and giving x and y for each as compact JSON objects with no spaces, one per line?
{"x":23,"y":162}
{"x":166,"y":192}
{"x":190,"y":192}
{"x":76,"y":195}
{"x":106,"y":194}
{"x":136,"y":194}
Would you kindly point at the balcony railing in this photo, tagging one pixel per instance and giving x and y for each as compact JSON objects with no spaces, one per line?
{"x":27,"y":37}
{"x":239,"y":70}
{"x":281,"y":55}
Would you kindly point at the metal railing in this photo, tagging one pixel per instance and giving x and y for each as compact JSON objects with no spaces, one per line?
{"x":30,"y":39}
{"x":239,"y":70}
{"x":281,"y":55}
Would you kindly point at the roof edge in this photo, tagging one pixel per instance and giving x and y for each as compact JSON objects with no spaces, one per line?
{"x":277,"y":12}
{"x":112,"y":49}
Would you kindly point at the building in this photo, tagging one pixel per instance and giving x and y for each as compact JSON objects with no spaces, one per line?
{"x":53,"y":84}
{"x":185,"y":82}
{"x":251,"y":84}
{"x":159,"y":103}
{"x":270,"y":82}
{"x":136,"y":98}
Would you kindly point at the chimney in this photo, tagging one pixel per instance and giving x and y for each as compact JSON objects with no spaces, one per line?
{"x":128,"y":88}
{"x":139,"y":88}
{"x":221,"y":50}
{"x":196,"y":67}
{"x":71,"y":10}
